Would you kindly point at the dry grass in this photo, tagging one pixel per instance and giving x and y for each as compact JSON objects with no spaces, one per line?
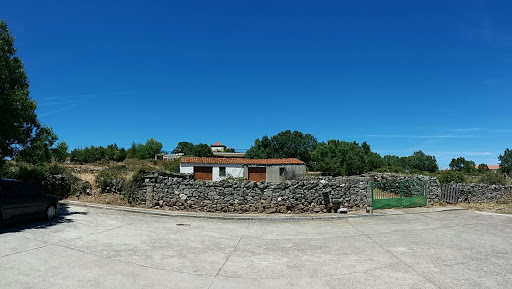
{"x":89,"y":172}
{"x":97,"y":198}
{"x":501,"y":208}
{"x":381,"y":194}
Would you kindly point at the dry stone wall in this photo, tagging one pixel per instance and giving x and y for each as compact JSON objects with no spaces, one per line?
{"x":307,"y":195}
{"x":481,"y":193}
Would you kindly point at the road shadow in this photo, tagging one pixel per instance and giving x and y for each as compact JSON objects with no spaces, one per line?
{"x":61,"y":218}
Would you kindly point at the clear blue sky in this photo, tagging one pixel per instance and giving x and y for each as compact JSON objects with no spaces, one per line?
{"x":402,"y":75}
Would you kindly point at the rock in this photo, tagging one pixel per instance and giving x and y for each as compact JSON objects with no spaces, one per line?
{"x":342,"y":211}
{"x":369,"y":210}
{"x":308,"y":195}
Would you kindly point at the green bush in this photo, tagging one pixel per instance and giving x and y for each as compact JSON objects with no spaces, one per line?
{"x":109,"y":174}
{"x":135,"y":183}
{"x":446,"y":177}
{"x":96,"y":154}
{"x":49,"y":178}
{"x":390,"y":169}
{"x":172,"y":166}
{"x":492,"y":178}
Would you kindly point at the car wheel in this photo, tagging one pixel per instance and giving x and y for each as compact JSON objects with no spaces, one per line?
{"x":51,"y":211}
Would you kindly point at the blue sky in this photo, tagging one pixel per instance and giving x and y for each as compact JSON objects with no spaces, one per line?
{"x":402,"y":75}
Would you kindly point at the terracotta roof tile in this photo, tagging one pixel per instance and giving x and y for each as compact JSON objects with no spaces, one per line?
{"x":491,"y":167}
{"x":217,"y":144}
{"x":240,"y":161}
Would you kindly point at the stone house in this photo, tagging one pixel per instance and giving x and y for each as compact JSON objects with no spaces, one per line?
{"x":216,"y":169}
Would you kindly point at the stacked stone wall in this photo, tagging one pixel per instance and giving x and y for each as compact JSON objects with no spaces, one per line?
{"x":306,"y":195}
{"x":482,"y":193}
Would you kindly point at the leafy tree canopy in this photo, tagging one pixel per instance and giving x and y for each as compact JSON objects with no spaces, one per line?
{"x":506,"y":161}
{"x":422,"y":162}
{"x":18,"y":119}
{"x":345,"y":158}
{"x":462,"y":165}
{"x":95,"y":154}
{"x":482,"y":168}
{"x":189,"y":149}
{"x":153,"y":147}
{"x":186,"y":148}
{"x":286,"y":144}
{"x":44,"y":148}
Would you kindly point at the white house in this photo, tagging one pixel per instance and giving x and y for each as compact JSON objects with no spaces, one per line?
{"x":218,"y":147}
{"x":216,"y":169}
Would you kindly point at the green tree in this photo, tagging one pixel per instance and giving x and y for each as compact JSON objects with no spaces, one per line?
{"x":286,"y":144}
{"x":60,"y":152}
{"x":186,"y":148}
{"x":422,"y":162}
{"x":18,"y":119}
{"x":153,"y":147}
{"x":483,"y":168}
{"x":136,"y":151}
{"x":191,"y":150}
{"x":506,"y":162}
{"x":39,"y":150}
{"x":95,"y":154}
{"x":110,"y":151}
{"x":462,"y":165}
{"x":202,"y":150}
{"x":120,"y":155}
{"x":131,"y":152}
{"x":262,"y":149}
{"x":339,"y":158}
{"x":392,"y":161}
{"x":140,"y":152}
{"x":373,"y":160}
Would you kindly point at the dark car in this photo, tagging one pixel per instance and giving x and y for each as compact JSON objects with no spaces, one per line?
{"x":21,"y":200}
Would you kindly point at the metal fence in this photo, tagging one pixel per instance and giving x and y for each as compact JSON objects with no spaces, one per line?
{"x":399,"y":194}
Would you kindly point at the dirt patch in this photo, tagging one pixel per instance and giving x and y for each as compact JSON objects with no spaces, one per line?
{"x":501,"y":208}
{"x":108,"y":199}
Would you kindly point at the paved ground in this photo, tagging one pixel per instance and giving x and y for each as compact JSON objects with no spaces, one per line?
{"x":97,"y":248}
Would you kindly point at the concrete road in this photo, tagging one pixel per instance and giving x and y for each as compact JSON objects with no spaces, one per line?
{"x":414,"y":248}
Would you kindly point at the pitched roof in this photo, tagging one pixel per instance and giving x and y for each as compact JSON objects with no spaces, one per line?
{"x":217,"y":144}
{"x":491,"y":167}
{"x":240,"y":161}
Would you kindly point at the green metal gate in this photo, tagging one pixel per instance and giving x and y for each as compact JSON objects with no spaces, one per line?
{"x":399,"y":194}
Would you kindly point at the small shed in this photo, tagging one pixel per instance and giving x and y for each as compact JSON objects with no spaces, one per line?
{"x":216,"y":169}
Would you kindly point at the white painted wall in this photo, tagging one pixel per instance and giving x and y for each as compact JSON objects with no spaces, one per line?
{"x":233,"y":171}
{"x":186,"y":168}
{"x":218,"y":149}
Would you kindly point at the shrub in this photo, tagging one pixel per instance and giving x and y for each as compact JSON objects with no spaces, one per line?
{"x":95,"y":154}
{"x":49,"y":178}
{"x":139,"y":174}
{"x":390,"y":169}
{"x":106,"y":176}
{"x":492,"y":178}
{"x":446,"y":177}
{"x":172,"y":166}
